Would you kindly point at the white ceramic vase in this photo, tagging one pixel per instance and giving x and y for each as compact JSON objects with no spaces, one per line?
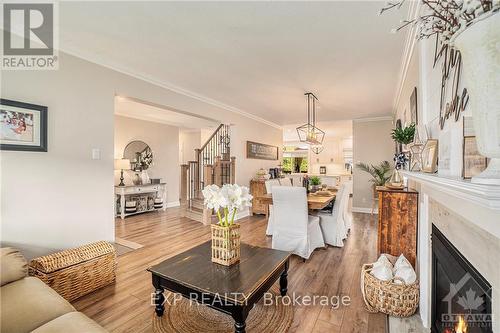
{"x":480,"y":48}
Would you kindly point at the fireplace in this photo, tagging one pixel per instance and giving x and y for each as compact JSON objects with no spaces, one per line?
{"x":461,"y":297}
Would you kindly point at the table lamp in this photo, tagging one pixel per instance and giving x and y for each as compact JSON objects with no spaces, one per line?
{"x":122,"y":164}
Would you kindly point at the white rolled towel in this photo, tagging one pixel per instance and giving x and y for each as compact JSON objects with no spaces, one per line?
{"x":382,"y":260}
{"x":382,"y":269}
{"x":401,"y":262}
{"x":382,"y":272}
{"x":405,"y":273}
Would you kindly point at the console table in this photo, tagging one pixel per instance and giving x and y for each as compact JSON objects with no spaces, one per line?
{"x":148,"y":190}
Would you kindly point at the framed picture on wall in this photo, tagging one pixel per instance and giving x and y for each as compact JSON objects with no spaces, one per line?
{"x":23,"y":126}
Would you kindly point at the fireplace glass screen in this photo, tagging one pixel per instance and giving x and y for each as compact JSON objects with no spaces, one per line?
{"x":461,"y":297}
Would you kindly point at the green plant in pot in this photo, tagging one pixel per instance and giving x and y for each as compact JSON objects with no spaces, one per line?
{"x":380,"y":173}
{"x":402,"y":136}
{"x":315,"y":182}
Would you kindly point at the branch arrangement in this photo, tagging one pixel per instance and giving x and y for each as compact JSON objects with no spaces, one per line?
{"x":445,"y":17}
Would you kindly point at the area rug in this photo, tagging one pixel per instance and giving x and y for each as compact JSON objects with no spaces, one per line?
{"x":186,"y":317}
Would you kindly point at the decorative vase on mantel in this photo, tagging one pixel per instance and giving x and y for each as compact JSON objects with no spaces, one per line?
{"x":479,"y":45}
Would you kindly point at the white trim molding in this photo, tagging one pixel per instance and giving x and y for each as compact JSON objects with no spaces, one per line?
{"x":173,"y":204}
{"x":411,"y":41}
{"x":168,"y":85}
{"x":367,"y":120}
{"x":487,"y":196}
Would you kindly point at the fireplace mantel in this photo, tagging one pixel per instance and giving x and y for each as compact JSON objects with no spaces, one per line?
{"x":467,"y":214}
{"x":487,"y":196}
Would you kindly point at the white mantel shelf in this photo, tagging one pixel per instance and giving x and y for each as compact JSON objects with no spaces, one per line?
{"x":484,"y":195}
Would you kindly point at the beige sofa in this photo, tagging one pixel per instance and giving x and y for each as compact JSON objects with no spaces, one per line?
{"x":29,"y":305}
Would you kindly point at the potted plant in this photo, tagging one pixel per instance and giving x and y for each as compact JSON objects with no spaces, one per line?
{"x":315,"y":182}
{"x":380,"y":173}
{"x":402,"y":136}
{"x":473,"y":28}
{"x":226,"y":234}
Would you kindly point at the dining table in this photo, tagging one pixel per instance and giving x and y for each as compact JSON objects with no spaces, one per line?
{"x":314,"y":201}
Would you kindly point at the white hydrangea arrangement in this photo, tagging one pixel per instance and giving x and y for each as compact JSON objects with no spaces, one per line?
{"x":229,"y":198}
{"x":446,"y":18}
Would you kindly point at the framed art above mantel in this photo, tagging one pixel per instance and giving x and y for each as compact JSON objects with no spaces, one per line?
{"x":23,"y":126}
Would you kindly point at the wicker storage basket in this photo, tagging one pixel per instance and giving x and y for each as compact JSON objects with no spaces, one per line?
{"x":77,"y":272}
{"x":399,"y":300}
{"x":225,"y":244}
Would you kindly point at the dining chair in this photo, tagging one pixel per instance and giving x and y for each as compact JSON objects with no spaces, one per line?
{"x":270,"y":219}
{"x":347,"y":211}
{"x":334,"y":225}
{"x":285,"y":181}
{"x":294,"y":229}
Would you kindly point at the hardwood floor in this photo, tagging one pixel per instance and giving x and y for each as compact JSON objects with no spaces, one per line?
{"x":125,"y":306}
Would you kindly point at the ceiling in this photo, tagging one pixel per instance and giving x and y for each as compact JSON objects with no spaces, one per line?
{"x":255,"y":57}
{"x":333,"y":129}
{"x":140,"y":110}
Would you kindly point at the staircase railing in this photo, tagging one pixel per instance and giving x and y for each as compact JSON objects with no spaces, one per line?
{"x":217,"y":145}
{"x":213,"y":165}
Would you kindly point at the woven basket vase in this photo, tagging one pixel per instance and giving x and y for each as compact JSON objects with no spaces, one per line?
{"x":225,"y":244}
{"x":394,"y":299}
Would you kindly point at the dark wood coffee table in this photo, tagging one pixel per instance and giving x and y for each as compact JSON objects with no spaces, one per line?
{"x":233,"y":290}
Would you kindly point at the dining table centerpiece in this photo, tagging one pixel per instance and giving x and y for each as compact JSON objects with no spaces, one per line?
{"x":226,"y":201}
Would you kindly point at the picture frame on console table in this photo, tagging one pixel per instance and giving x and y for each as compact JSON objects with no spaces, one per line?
{"x":430,"y":156}
{"x":23,"y":126}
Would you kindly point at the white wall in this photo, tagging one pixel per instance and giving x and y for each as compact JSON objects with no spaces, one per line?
{"x":163,"y":141}
{"x":62,"y":198}
{"x":188,"y":142}
{"x":372,"y":144}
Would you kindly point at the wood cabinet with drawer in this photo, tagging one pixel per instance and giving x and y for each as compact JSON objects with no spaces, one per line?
{"x":398,"y":222}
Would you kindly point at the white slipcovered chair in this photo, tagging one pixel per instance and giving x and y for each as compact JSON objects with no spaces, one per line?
{"x":335,"y":225}
{"x":270,"y":218}
{"x":347,"y":211}
{"x":294,"y":230}
{"x":285,"y":182}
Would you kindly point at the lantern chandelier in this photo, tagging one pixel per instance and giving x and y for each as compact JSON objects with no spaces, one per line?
{"x":309,"y":133}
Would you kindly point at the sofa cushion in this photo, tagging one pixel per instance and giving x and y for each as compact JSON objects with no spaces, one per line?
{"x":29,"y":303}
{"x":13,"y":265}
{"x":74,"y":322}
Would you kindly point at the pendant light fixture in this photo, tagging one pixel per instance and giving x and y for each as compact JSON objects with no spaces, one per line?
{"x":317,"y":149}
{"x":309,"y":133}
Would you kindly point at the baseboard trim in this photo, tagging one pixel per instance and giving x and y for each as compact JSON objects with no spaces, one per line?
{"x":173,"y":204}
{"x":364,"y":210}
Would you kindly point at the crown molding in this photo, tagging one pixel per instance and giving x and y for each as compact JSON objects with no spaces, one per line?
{"x":168,"y":86}
{"x":411,"y":41}
{"x":367,"y":120}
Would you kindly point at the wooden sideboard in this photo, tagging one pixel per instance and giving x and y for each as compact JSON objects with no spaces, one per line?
{"x":398,"y":222}
{"x":138,"y":193}
{"x":257,"y":189}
